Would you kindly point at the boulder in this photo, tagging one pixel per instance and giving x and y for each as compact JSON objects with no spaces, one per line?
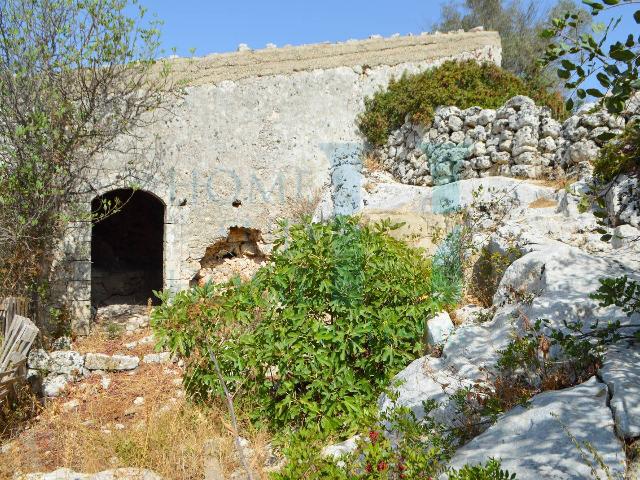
{"x":539,"y":441}
{"x":100,"y":361}
{"x":38,"y":359}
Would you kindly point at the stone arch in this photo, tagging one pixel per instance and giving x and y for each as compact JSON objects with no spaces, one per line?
{"x":127,"y":247}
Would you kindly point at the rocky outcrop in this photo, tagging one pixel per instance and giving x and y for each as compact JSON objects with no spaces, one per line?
{"x":562,"y":259}
{"x":621,"y":373}
{"x":568,"y":434}
{"x":518,"y":139}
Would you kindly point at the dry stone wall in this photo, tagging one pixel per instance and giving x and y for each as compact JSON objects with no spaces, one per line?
{"x":519,"y":139}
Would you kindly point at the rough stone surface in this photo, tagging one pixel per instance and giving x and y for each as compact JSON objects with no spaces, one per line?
{"x":100,"y":361}
{"x":267,"y":128}
{"x":340,"y":449}
{"x":162,"y":357}
{"x":518,"y":135}
{"x":53,"y":384}
{"x":116,"y":474}
{"x":533,"y":441}
{"x":621,"y":373}
{"x":439,"y":328}
{"x":65,"y":362}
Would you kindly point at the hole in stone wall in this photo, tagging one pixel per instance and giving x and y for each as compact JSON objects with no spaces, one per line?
{"x":127,"y":248}
{"x":238,"y":254}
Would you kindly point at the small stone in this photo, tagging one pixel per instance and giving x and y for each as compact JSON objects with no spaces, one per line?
{"x":53,"y":384}
{"x":439,"y":328}
{"x":162,"y":357}
{"x":100,"y":361}
{"x":71,"y":405}
{"x":455,"y":123}
{"x":61,"y":343}
{"x":138,"y":401}
{"x":105,"y":382}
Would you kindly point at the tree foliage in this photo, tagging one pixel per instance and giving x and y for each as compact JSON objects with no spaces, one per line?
{"x":75,"y":75}
{"x":519,"y":24}
{"x":583,"y":56}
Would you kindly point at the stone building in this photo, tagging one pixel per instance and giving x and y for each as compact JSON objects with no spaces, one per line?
{"x":254,"y":138}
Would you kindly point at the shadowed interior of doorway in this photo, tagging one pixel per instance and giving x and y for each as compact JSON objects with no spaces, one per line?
{"x":126,"y":248}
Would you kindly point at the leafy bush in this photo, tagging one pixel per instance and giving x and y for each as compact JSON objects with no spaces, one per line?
{"x":620,"y":155}
{"x":463,"y":84}
{"x":317,"y":334}
{"x":490,"y":471}
{"x":398,"y":447}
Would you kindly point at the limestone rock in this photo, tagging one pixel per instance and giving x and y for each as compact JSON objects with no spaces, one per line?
{"x":115,"y":474}
{"x":533,"y":442}
{"x":54,"y":384}
{"x":66,"y":362}
{"x":621,"y":372}
{"x":625,"y":236}
{"x":100,"y":361}
{"x":162,"y":357}
{"x":439,"y":328}
{"x":38,"y":359}
{"x":343,"y":448}
{"x":623,"y":201}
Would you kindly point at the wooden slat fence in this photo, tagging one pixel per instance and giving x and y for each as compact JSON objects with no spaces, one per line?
{"x":19,"y":333}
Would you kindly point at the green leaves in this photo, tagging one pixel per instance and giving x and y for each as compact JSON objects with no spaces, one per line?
{"x":316,"y":335}
{"x":583,"y":55}
{"x":463,"y":84}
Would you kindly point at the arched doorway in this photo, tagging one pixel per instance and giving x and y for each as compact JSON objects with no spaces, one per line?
{"x":126,"y":247}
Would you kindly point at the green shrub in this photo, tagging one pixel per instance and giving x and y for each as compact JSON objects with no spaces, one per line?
{"x":398,"y":446}
{"x":463,"y":84}
{"x":490,"y":471}
{"x":317,"y":334}
{"x":620,"y":155}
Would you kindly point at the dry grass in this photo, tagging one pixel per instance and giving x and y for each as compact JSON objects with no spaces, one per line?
{"x":559,"y":183}
{"x":302,"y":206}
{"x":103,"y":342}
{"x":543,"y":203}
{"x":371,"y":163}
{"x":166,"y":434}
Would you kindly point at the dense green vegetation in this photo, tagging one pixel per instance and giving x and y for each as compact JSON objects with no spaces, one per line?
{"x":316,"y":335}
{"x":463,"y":84}
{"x":519,"y":24}
{"x":620,"y":155}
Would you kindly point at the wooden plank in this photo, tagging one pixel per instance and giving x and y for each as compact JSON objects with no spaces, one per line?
{"x":20,"y":335}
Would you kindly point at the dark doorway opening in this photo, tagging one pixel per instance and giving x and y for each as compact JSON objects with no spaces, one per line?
{"x":126,"y":248}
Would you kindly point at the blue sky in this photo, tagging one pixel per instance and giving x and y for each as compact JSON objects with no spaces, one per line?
{"x":220,"y":25}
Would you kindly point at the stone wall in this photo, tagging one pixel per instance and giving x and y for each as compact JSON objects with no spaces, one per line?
{"x":519,"y":139}
{"x":255,"y":135}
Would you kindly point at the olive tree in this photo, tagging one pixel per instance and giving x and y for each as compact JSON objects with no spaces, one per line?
{"x":75,"y":75}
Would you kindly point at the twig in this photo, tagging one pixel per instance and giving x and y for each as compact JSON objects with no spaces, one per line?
{"x":232,"y":414}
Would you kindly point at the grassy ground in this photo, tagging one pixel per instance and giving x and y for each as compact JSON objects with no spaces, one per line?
{"x":92,"y":428}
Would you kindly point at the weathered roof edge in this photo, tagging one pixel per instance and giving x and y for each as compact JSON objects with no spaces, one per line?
{"x":372,"y":52}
